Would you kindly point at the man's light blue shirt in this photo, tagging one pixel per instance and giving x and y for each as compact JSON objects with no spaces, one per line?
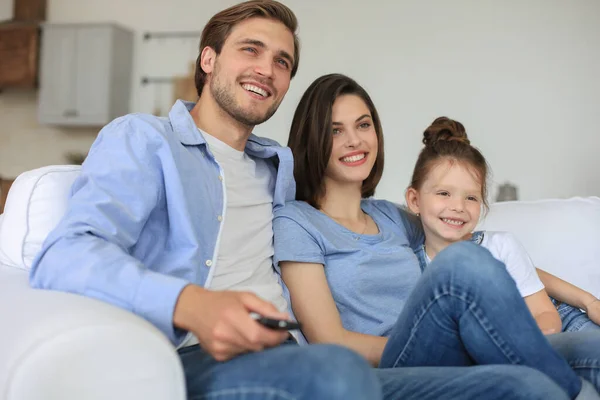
{"x":143,"y":216}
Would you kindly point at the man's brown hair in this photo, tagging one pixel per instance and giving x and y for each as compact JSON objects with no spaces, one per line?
{"x":311,"y":136}
{"x":220,"y":25}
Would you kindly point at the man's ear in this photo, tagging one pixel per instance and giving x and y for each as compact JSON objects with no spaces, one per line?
{"x":207,"y":59}
{"x":412,"y":200}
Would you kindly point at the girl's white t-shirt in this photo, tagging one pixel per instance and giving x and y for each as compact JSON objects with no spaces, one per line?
{"x":505,"y":247}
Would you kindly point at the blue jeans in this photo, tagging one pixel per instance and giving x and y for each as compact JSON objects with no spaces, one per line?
{"x":466,"y":310}
{"x":573,"y":319}
{"x":294,"y":372}
{"x":287,"y":372}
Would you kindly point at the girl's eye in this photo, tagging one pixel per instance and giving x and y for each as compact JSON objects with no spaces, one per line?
{"x":472,"y":198}
{"x":365,"y":125}
{"x":336,"y":131}
{"x":443,"y":194}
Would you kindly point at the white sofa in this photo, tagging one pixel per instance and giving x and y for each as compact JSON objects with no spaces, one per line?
{"x":59,"y":346}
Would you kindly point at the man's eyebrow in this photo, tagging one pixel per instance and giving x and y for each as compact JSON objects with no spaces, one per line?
{"x":258,"y":43}
{"x":255,"y":42}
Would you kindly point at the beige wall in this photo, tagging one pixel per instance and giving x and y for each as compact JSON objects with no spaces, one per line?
{"x":521,"y":75}
{"x":24,"y":144}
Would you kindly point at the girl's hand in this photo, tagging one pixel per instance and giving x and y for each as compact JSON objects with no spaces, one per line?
{"x":593,"y":311}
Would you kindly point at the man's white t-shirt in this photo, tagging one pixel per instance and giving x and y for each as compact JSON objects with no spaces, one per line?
{"x":245,"y":246}
{"x":506,"y":248}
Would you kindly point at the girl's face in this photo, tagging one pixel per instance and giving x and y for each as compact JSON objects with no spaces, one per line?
{"x":354,"y":145}
{"x":449,"y":202}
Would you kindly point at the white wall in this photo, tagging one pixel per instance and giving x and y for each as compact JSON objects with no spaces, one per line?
{"x":521,"y":75}
{"x":6,"y":10}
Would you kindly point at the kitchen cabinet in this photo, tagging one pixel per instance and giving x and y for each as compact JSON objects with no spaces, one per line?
{"x":85,"y":74}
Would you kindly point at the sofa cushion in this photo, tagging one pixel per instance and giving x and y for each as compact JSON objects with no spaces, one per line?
{"x":562,"y":236}
{"x":36,"y":202}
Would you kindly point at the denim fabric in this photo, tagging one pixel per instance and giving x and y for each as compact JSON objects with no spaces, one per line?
{"x":483,"y":382}
{"x":573,"y":319}
{"x":287,"y":372}
{"x":466,"y":310}
{"x":291,"y":372}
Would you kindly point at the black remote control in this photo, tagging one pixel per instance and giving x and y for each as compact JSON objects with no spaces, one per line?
{"x":277,"y":324}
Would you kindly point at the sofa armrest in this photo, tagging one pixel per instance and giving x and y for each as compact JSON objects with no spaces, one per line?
{"x":63,"y":346}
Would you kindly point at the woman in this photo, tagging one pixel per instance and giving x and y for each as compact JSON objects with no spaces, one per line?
{"x":351,"y":272}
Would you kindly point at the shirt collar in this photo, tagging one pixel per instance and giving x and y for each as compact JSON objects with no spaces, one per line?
{"x":186,"y":130}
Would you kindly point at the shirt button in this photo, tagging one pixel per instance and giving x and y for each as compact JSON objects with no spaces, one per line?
{"x":219,"y":218}
{"x":208,"y":263}
{"x":220,"y":177}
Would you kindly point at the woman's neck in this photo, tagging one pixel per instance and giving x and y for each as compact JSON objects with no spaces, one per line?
{"x":342,"y":202}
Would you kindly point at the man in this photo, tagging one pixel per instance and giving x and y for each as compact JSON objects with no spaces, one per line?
{"x":167,"y":208}
{"x":171,"y":219}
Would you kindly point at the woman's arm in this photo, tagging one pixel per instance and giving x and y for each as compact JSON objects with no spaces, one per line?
{"x":544,"y":312}
{"x":315,"y":309}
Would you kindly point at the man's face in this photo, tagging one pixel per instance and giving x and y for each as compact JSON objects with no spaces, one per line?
{"x":250,"y":77}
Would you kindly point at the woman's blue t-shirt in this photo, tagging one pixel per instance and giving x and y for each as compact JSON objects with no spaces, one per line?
{"x":370,"y":276}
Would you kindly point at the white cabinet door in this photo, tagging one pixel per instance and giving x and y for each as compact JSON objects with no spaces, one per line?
{"x":92,"y":76}
{"x":57,"y":100}
{"x":80,"y":76}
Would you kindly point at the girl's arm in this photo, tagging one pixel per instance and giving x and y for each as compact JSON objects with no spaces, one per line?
{"x":567,"y":293}
{"x":544,"y":312}
{"x":315,"y":309}
{"x":521,"y":268}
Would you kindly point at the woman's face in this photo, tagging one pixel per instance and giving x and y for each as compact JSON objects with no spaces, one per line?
{"x":354,"y":144}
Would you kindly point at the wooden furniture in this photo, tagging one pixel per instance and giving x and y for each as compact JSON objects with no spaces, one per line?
{"x":5,"y":185}
{"x":29,"y":10}
{"x":19,"y":43}
{"x":85,"y":74}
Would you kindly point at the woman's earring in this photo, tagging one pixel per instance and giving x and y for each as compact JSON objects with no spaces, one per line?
{"x":418,"y":215}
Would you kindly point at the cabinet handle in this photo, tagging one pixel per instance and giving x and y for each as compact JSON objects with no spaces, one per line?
{"x":70,"y":113}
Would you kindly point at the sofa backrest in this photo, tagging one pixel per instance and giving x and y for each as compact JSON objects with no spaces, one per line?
{"x":561,"y":236}
{"x":36,"y":202}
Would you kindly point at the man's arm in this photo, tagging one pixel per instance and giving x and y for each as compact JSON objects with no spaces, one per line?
{"x":89,"y":251}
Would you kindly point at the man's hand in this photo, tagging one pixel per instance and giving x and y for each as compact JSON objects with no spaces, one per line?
{"x":593,"y":311}
{"x":221,"y":321}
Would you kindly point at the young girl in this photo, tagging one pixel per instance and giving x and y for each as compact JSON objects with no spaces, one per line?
{"x":448,"y":190}
{"x":348,"y":263}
